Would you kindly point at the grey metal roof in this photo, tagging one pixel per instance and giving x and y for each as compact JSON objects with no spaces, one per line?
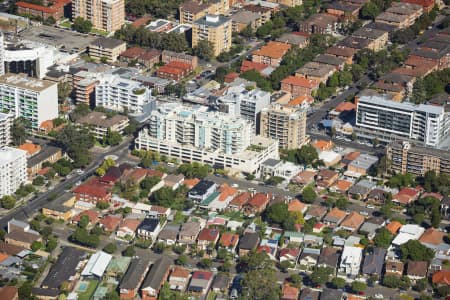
{"x":373,"y":262}
{"x":157,"y":273}
{"x":135,"y":274}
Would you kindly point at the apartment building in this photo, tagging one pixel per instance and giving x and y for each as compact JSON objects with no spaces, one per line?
{"x":271,"y":54}
{"x":193,"y":134}
{"x":108,"y":15}
{"x":51,"y":9}
{"x":290,"y":3}
{"x":193,"y":10}
{"x":116,"y":93}
{"x":400,"y":14}
{"x":320,"y":23}
{"x":378,"y":38}
{"x":6,"y":121}
{"x":33,"y":99}
{"x":106,"y":48}
{"x":424,"y":124}
{"x":99,"y":124}
{"x":216,"y":29}
{"x":285,"y":124}
{"x":84,"y":84}
{"x":417,"y":160}
{"x":298,"y":86}
{"x":13,"y":170}
{"x":238,"y":101}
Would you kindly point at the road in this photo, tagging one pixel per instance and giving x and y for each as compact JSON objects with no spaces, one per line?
{"x":24,"y":212}
{"x":347,"y":144}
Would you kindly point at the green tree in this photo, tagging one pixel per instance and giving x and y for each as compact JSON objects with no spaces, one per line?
{"x":277,"y":213}
{"x":338,"y":282}
{"x":51,"y":244}
{"x":84,"y":221}
{"x":76,"y":141}
{"x":369,"y":11}
{"x":321,"y":275}
{"x":415,"y":251}
{"x":149,"y":182}
{"x":64,"y":90}
{"x":421,"y":285}
{"x":383,"y":238}
{"x":112,"y":138}
{"x":129,"y":251}
{"x":8,"y":202}
{"x":256,"y":261}
{"x":358,"y":286}
{"x":391,"y":281}
{"x":181,"y":260}
{"x":19,"y":131}
{"x":204,"y":50}
{"x":110,"y":248}
{"x":309,"y":195}
{"x":39,"y":181}
{"x":260,"y":284}
{"x":285,"y":265}
{"x":82,"y":25}
{"x":36,"y":245}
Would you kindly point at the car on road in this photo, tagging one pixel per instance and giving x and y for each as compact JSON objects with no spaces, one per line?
{"x":213,"y":269}
{"x":370,"y":206}
{"x":364,"y":213}
{"x":235,"y":185}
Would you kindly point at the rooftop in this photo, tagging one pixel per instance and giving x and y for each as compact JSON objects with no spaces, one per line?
{"x":108,"y":43}
{"x":24,"y":82}
{"x":212,"y":20}
{"x":273,"y":50}
{"x":100,"y":119}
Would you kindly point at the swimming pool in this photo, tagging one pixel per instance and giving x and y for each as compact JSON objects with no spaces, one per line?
{"x":83,"y":286}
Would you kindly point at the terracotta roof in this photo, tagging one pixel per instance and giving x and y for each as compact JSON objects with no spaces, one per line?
{"x":9,"y":293}
{"x":159,"y":209}
{"x":10,"y":249}
{"x":300,"y":100}
{"x":241,"y":199}
{"x":229,"y":239}
{"x":343,"y":185}
{"x":394,"y":266}
{"x":294,"y":252}
{"x":437,"y":196}
{"x":323,"y":145}
{"x":353,"y":220}
{"x":133,"y":52}
{"x":190,"y":183}
{"x":259,"y":200}
{"x":170,"y":70}
{"x":142,"y":21}
{"x":248,"y":65}
{"x":179,"y":65}
{"x":208,"y":234}
{"x":394,"y":227}
{"x":406,"y":195}
{"x":180,"y":272}
{"x":149,"y":54}
{"x":156,"y":173}
{"x":111,"y":222}
{"x":441,"y":277}
{"x":273,"y":49}
{"x":300,"y":81}
{"x":3,"y":256}
{"x":203,"y":275}
{"x":336,"y":213}
{"x":345,"y":106}
{"x":304,"y":177}
{"x":230,"y":77}
{"x":341,"y":51}
{"x":226,"y":191}
{"x":30,"y":148}
{"x":92,"y":188}
{"x":92,"y":215}
{"x":432,"y":236}
{"x":289,"y":292}
{"x":418,"y":268}
{"x":50,"y":9}
{"x":351,"y":155}
{"x":131,"y":224}
{"x":317,"y":211}
{"x":296,"y":205}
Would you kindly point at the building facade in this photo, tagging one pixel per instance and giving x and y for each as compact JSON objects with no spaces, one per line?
{"x":33,"y":99}
{"x":116,"y":93}
{"x":6,"y":121}
{"x":13,"y":170}
{"x":285,"y":124}
{"x":217,"y":29}
{"x":108,"y":15}
{"x":377,"y":117}
{"x":407,"y":158}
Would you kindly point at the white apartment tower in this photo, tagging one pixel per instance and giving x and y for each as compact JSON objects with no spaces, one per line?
{"x":116,"y":93}
{"x":33,"y":99}
{"x":13,"y":170}
{"x":6,"y":121}
{"x":107,"y":15}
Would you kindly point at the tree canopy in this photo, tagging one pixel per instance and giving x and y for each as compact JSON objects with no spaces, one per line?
{"x":82,"y":25}
{"x":415,"y":251}
{"x":76,"y":141}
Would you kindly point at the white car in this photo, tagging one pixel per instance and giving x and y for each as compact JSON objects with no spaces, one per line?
{"x":364,"y":213}
{"x":370,"y":206}
{"x":235,"y":185}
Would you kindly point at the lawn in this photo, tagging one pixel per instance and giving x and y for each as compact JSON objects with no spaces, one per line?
{"x":99,"y":32}
{"x":234,"y":215}
{"x":66,"y":24}
{"x":86,"y":295}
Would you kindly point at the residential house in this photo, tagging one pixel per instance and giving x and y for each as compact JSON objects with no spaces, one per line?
{"x":207,"y":237}
{"x":350,"y":261}
{"x":289,"y":254}
{"x":309,"y":294}
{"x":133,"y":278}
{"x":350,"y":156}
{"x":289,"y":292}
{"x":329,"y":257}
{"x":315,"y":71}
{"x":434,"y":239}
{"x":168,"y":235}
{"x":149,"y":229}
{"x":342,"y":52}
{"x":226,"y":193}
{"x":173,"y":181}
{"x":304,"y":177}
{"x":93,"y":191}
{"x":189,"y":232}
{"x":293,"y":237}
{"x":296,"y":205}
{"x":92,"y":216}
{"x":9,"y":293}
{"x":377,"y":196}
{"x":115,"y":173}
{"x":118,"y":266}
{"x":309,"y":258}
{"x":96,"y":265}
{"x":361,"y":189}
{"x":341,"y":186}
{"x":334,"y":217}
{"x":202,"y":190}
{"x":331,"y":294}
{"x":352,"y":222}
{"x":178,"y":279}
{"x":326,"y":178}
{"x":22,"y":239}
{"x":297,"y":86}
{"x":416,"y":270}
{"x":248,"y":242}
{"x":320,"y":23}
{"x":200,"y":282}
{"x":269,"y":246}
{"x":294,"y":39}
{"x":316,"y":211}
{"x":271,"y":54}
{"x":221,"y":284}
{"x":155,"y":278}
{"x":407,"y":195}
{"x":373,"y":262}
{"x":441,"y":278}
{"x":370,"y":227}
{"x":394,"y":227}
{"x":336,"y":62}
{"x":239,"y":201}
{"x":229,"y":241}
{"x":394,"y":268}
{"x":127,"y":228}
{"x":257,"y":204}
{"x":408,"y":232}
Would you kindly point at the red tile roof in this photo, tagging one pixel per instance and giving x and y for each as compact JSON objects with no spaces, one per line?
{"x":202,"y":275}
{"x":241,"y":199}
{"x":259,"y":200}
{"x":111,"y":222}
{"x":432,"y":236}
{"x":208,"y":234}
{"x":45,"y":9}
{"x":92,"y":188}
{"x":406,"y":195}
{"x":296,"y":205}
{"x":394,"y":227}
{"x":9,"y":293}
{"x":133,"y":52}
{"x":92,"y":215}
{"x":289,"y":292}
{"x":273,"y":50}
{"x":248,"y":65}
{"x":131,"y":224}
{"x":294,"y":252}
{"x":180,"y":272}
{"x":229,"y":239}
{"x":441,"y":277}
{"x":300,"y":81}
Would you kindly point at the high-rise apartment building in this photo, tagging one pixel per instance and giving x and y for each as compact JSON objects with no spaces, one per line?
{"x":33,"y":99}
{"x":216,"y":29}
{"x":285,"y":124}
{"x":6,"y":121}
{"x":120,"y":94}
{"x":214,"y":138}
{"x":386,"y":120}
{"x":108,"y":15}
{"x":13,"y":169}
{"x":407,"y":158}
{"x":238,"y":101}
{"x":192,"y":10}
